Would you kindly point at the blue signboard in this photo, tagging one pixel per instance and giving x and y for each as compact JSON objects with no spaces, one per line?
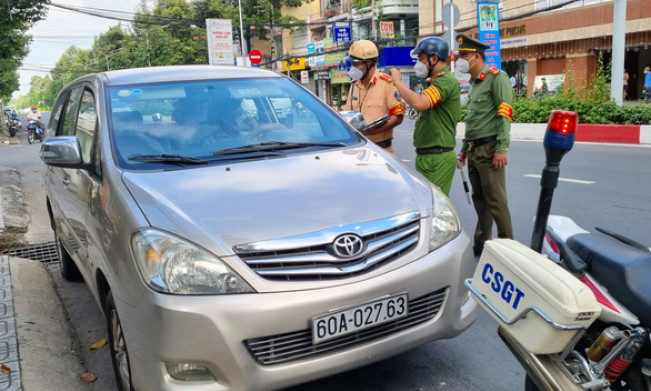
{"x":341,"y":32}
{"x":398,"y":56}
{"x":488,"y":15}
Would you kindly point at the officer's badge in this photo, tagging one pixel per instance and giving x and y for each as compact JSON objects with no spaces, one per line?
{"x":397,"y":95}
{"x":460,"y":40}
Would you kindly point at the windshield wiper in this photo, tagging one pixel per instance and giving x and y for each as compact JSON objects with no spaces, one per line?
{"x":167,"y":158}
{"x":275,"y":146}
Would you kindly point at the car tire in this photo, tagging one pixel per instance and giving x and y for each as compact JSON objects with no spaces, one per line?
{"x":117,"y":346}
{"x":69,"y":271}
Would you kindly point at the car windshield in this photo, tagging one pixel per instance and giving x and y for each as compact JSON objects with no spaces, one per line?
{"x":219,"y":120}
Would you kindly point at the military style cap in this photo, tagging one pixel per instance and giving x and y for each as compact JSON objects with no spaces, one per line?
{"x":467,"y":44}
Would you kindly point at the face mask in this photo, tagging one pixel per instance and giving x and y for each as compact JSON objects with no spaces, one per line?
{"x":421,"y":70}
{"x":355,"y":74}
{"x":462,"y":65}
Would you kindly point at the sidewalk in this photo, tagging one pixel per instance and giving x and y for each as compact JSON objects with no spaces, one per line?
{"x":46,"y":351}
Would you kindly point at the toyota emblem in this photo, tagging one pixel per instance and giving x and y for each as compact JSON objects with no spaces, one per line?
{"x":348,"y":246}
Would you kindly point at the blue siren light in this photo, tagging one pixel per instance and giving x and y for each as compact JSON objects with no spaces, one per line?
{"x":561,"y":129}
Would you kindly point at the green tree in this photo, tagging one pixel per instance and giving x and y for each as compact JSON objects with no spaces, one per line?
{"x":16,"y":17}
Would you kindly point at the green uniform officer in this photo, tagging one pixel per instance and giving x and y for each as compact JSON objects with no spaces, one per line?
{"x":487,"y":139}
{"x":439,"y":106}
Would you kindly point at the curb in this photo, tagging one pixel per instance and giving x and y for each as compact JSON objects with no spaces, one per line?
{"x":617,"y":134}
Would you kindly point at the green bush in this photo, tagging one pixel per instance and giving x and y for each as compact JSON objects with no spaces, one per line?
{"x":590,"y":111}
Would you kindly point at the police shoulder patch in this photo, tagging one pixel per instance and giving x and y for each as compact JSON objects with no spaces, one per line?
{"x":385,"y":77}
{"x":494,"y":71}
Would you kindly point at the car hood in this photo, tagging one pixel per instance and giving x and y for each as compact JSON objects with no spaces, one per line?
{"x":219,"y":206}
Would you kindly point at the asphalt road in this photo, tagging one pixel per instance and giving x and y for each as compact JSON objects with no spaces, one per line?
{"x":605,"y":185}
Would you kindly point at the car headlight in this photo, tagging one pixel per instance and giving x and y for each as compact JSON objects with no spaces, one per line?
{"x":171,"y":265}
{"x":445,"y":221}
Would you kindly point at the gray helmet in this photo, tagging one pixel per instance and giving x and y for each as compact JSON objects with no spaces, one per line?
{"x":432,"y":46}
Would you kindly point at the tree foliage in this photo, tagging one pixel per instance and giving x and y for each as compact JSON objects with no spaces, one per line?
{"x":16,"y":18}
{"x":172,"y":32}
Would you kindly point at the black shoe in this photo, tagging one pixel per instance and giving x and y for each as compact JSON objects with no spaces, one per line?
{"x":477,"y":249}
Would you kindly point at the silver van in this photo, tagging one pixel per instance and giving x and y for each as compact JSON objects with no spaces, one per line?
{"x":236,"y":245}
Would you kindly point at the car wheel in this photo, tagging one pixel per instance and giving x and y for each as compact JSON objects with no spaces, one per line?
{"x":69,"y":271}
{"x":118,"y":346}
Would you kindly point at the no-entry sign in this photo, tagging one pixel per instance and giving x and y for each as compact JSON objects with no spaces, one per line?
{"x":255,"y":56}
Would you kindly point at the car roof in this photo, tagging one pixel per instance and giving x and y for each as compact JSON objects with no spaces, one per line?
{"x":182,"y":73}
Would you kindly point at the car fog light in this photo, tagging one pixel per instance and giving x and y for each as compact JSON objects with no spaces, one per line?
{"x":189,"y":371}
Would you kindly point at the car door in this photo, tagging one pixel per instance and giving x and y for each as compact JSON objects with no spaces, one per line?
{"x":81,"y":122}
{"x":62,"y":124}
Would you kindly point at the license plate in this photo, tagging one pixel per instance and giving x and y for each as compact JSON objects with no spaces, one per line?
{"x":336,"y":324}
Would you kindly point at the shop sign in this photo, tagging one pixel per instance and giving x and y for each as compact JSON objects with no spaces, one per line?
{"x":386,"y":30}
{"x":341,"y":31}
{"x":322,"y":75}
{"x":305,"y":77}
{"x":295,"y":64}
{"x":339,"y":77}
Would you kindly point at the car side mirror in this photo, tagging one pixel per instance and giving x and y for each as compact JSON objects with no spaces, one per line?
{"x":62,"y":152}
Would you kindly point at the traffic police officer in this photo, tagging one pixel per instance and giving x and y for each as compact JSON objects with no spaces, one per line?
{"x":439,"y":106}
{"x":486,"y":144}
{"x":372,"y":93}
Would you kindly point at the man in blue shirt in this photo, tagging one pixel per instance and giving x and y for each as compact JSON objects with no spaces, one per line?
{"x":647,"y":84}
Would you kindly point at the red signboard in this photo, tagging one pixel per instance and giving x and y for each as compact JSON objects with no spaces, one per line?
{"x":255,"y":56}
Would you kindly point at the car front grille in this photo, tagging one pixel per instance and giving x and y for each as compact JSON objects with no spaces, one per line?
{"x":311,"y":257}
{"x":298,"y":345}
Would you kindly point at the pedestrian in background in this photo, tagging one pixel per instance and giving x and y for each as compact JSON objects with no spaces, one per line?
{"x":486,"y":144}
{"x":372,"y":93}
{"x":439,"y":106}
{"x":625,"y":84}
{"x":647,"y":84}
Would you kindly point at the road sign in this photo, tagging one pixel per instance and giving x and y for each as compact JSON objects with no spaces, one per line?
{"x":456,"y":15}
{"x":255,"y":56}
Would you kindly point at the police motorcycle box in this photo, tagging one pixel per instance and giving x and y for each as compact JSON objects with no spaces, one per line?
{"x":541,"y":305}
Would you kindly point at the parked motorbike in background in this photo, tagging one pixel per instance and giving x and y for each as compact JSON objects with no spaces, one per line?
{"x":578,"y":318}
{"x":13,"y":124}
{"x":34,"y":132}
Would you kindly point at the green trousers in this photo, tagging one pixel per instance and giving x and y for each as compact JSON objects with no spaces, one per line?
{"x":488,"y":194}
{"x":438,"y":168}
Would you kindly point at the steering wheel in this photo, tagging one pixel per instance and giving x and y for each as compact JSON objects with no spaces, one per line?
{"x":261,"y":132}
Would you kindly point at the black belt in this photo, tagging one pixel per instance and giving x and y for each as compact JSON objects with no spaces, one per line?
{"x":427,"y":151}
{"x":481,"y":141}
{"x":383,"y":143}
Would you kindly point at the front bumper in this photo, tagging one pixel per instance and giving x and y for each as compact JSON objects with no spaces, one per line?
{"x":213,"y":330}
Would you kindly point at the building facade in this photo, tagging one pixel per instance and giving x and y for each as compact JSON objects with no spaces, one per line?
{"x":551,"y":37}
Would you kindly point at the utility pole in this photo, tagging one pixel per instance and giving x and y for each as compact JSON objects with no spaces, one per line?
{"x":373,"y":21}
{"x":619,"y":42}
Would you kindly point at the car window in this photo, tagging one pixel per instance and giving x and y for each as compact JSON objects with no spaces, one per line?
{"x":56,"y":116}
{"x":199,"y":119}
{"x":86,"y":124}
{"x":72,"y":106}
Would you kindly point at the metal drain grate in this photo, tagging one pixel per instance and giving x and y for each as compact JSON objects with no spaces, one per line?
{"x":43,"y":252}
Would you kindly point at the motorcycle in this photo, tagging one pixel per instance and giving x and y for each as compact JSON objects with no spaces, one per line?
{"x":577,"y":314}
{"x":34,"y":132}
{"x":13,"y":125}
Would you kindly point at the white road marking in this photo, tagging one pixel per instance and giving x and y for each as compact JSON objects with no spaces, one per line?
{"x":563,"y":179}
